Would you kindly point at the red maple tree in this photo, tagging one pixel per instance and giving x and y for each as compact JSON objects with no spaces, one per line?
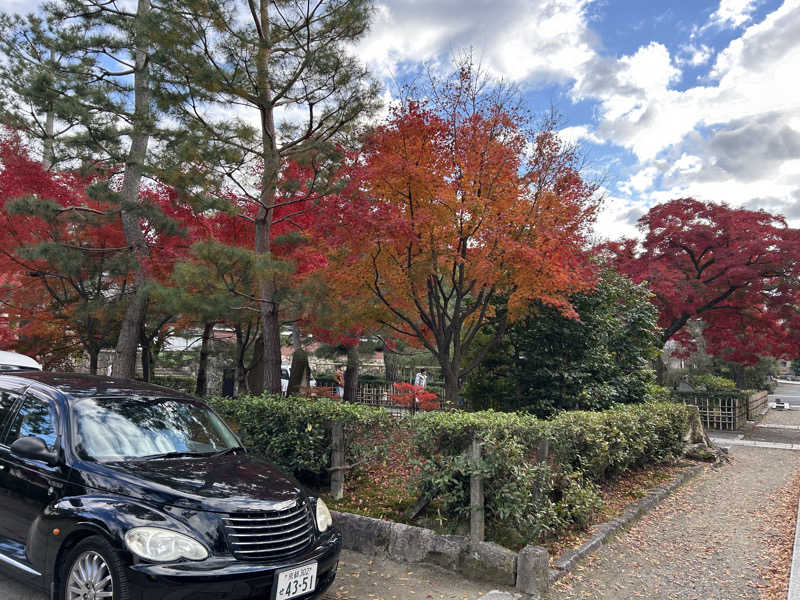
{"x":414,"y":397}
{"x":64,"y":261}
{"x":735,"y":269}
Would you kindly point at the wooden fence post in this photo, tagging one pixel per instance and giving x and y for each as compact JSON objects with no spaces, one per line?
{"x":476,"y":520}
{"x":337,"y":460}
{"x":543,"y":450}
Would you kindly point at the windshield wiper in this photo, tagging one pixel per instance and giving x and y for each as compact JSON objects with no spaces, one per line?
{"x":168,"y":455}
{"x":227,"y":451}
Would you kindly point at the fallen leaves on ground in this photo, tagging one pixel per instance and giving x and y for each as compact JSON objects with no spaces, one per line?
{"x":617,"y":494}
{"x":779,"y":519}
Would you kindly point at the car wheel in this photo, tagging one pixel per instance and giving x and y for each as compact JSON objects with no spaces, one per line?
{"x":93,"y":570}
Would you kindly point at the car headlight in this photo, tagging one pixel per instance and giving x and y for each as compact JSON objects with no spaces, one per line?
{"x":163,"y":545}
{"x":324,"y":519}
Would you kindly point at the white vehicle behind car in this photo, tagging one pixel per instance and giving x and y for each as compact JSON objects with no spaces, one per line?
{"x":12,"y":361}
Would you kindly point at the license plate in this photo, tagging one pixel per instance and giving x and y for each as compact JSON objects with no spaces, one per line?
{"x":295,"y":582}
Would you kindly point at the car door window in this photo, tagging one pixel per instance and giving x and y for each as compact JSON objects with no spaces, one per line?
{"x":33,"y":419}
{"x":7,"y":401}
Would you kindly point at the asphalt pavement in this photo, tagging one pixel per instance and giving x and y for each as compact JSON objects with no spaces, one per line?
{"x":360,"y":578}
{"x":789,"y":392}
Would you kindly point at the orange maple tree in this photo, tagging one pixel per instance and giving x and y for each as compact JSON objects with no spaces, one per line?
{"x":458,"y":214}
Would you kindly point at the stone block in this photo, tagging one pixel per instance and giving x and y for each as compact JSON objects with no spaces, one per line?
{"x":410,"y":544}
{"x":363,"y":534}
{"x":533,"y":571}
{"x":446,"y":551}
{"x":567,"y":560}
{"x":487,"y":561}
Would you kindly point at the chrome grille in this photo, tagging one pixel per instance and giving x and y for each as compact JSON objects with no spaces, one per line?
{"x":270,"y":535}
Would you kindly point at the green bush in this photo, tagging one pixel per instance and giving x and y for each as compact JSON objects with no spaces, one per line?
{"x":536,"y":499}
{"x":711,"y":383}
{"x":604,"y":444}
{"x":183,"y":383}
{"x":295,"y":433}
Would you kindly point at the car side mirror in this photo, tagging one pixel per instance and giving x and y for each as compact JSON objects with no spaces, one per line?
{"x":34,"y":447}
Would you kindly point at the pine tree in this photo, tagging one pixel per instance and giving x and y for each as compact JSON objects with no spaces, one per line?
{"x":82,"y":81}
{"x":268,"y":60}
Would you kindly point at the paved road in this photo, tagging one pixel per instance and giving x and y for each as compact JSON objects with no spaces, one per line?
{"x":788,"y":392}
{"x":359,"y":578}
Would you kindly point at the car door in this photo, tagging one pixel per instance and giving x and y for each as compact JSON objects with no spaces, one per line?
{"x":8,"y":401}
{"x":29,"y":484}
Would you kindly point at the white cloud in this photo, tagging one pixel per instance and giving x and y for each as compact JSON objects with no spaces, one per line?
{"x":694,"y":55}
{"x":514,"y":39}
{"x":687,"y":163}
{"x":733,"y":13}
{"x":578,"y":133}
{"x":617,"y":217}
{"x":641,"y":181}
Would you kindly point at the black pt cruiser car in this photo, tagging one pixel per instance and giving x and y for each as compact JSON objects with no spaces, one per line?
{"x":111,"y":489}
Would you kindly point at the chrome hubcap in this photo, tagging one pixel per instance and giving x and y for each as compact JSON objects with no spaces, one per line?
{"x":90,"y":578}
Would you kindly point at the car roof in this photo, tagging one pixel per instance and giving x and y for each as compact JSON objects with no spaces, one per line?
{"x":79,"y":385}
{"x":18,"y":360}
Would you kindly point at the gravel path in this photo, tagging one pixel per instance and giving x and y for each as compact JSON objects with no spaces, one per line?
{"x":702,"y":543}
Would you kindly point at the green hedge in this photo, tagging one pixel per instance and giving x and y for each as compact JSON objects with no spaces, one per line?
{"x":604,"y":444}
{"x":295,"y":433}
{"x":535,"y":499}
{"x":184,"y":383}
{"x":525,"y":499}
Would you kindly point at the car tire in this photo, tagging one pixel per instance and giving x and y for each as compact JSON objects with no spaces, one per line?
{"x":106,"y":570}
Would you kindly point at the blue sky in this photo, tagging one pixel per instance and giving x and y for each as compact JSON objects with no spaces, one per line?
{"x":666,"y":99}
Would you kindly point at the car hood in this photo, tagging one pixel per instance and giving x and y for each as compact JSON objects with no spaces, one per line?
{"x":223,"y":484}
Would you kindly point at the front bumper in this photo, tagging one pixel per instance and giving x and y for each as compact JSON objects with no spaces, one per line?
{"x":225,"y":578}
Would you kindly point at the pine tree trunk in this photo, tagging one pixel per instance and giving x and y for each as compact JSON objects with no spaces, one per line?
{"x":93,"y":355}
{"x":255,"y":375}
{"x":201,"y":388}
{"x":268,"y":305}
{"x":271,"y":340}
{"x":147,"y":371}
{"x":125,"y":357}
{"x":47,"y":143}
{"x":298,"y":377}
{"x":241,"y":369}
{"x":351,"y":374}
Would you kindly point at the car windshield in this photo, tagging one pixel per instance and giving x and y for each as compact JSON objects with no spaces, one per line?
{"x":114,"y":429}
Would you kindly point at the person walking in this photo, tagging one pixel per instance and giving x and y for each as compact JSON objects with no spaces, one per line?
{"x":421,"y":379}
{"x":338,"y":379}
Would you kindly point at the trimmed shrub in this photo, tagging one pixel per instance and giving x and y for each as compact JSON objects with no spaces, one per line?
{"x":604,"y":444}
{"x":711,"y":382}
{"x":182,"y":383}
{"x":295,"y":433}
{"x":532,"y":498}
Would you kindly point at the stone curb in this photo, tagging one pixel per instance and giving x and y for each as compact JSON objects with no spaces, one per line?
{"x":570,"y":559}
{"x":794,"y":575}
{"x":483,"y":561}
